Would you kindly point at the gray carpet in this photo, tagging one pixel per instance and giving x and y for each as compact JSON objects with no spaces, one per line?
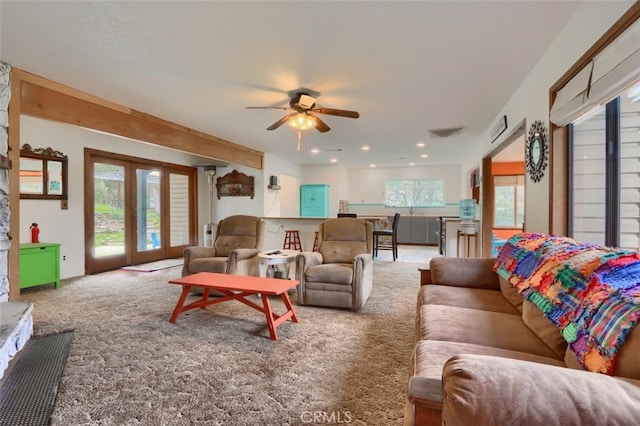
{"x":128,"y":365}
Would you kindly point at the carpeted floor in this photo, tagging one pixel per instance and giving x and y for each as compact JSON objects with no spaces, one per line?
{"x":128,"y":365}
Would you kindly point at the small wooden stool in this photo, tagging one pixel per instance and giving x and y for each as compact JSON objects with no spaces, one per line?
{"x":467,"y":243}
{"x":292,"y":240}
{"x":315,"y":242}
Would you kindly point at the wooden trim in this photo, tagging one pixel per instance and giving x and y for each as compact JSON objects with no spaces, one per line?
{"x":487,"y":207}
{"x":558,"y":153}
{"x":130,"y":164}
{"x":42,"y":102}
{"x":625,"y":21}
{"x":425,"y":276}
{"x":559,"y":181}
{"x":14,"y":185}
{"x":427,"y":417}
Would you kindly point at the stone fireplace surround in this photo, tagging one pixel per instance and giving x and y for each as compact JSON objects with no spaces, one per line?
{"x":16,"y":321}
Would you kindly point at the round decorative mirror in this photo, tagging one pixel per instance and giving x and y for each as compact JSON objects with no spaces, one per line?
{"x":537,"y":150}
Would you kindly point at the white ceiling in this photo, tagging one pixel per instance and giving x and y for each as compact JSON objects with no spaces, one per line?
{"x":405,"y":66}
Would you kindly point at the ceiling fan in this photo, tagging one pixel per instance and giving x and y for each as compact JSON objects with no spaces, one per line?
{"x":302,"y":113}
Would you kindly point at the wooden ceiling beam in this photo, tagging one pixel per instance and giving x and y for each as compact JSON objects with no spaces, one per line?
{"x":46,"y":99}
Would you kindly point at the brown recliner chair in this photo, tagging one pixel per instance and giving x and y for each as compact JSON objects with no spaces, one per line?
{"x":340,"y":273}
{"x":237,"y":242}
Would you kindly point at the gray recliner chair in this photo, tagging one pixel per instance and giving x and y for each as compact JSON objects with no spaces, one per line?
{"x":237,"y":242}
{"x":340,"y":273}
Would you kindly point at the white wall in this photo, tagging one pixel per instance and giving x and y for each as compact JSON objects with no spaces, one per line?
{"x":531,"y":100}
{"x":367,"y":185}
{"x":67,"y":226}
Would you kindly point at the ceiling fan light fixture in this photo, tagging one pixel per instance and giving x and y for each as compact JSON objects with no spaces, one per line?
{"x":302,"y":121}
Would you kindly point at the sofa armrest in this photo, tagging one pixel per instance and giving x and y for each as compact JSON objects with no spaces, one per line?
{"x":365,"y":259}
{"x":362,"y":279}
{"x":487,"y":390}
{"x":475,"y":272}
{"x":243,"y":253}
{"x":243,"y":261}
{"x":195,"y":252}
{"x":305,"y":260}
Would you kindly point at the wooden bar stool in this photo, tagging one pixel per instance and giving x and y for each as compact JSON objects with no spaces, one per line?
{"x":315,"y":242}
{"x":292,"y":240}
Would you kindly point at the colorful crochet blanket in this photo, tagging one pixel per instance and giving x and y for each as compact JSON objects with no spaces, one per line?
{"x":591,"y":292}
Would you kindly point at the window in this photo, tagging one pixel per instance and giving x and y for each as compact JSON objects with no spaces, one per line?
{"x":414,"y":193}
{"x":509,"y":201}
{"x":604,"y":203}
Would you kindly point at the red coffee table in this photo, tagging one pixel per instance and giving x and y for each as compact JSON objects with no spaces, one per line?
{"x":237,"y":287}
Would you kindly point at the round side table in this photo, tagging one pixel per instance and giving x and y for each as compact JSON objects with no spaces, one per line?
{"x":270,"y":259}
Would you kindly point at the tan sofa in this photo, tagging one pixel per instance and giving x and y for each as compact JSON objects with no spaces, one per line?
{"x":485,"y":356}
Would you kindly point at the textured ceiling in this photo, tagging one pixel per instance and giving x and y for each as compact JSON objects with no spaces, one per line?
{"x":407,"y":67}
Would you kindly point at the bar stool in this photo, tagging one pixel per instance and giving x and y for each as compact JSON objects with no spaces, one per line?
{"x":292,"y":240}
{"x":315,"y":242}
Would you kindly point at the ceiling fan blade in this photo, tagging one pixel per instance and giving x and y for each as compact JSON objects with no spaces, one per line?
{"x":279,"y":122}
{"x":321,"y":126}
{"x":338,"y":112}
{"x":267,"y":107}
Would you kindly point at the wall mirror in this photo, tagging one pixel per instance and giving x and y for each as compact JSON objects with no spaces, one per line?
{"x":43,"y":173}
{"x":537,"y":151}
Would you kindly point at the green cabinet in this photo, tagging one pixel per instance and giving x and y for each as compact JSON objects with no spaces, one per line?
{"x":314,"y":200}
{"x":39,"y":264}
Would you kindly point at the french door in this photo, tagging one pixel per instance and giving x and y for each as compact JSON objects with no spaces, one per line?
{"x":137,"y":210}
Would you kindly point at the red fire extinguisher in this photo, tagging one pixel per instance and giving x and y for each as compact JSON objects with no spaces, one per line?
{"x":35,"y":233}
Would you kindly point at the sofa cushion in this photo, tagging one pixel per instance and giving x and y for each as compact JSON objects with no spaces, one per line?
{"x":543,"y":328}
{"x":226,"y":243}
{"x":510,"y":293}
{"x":482,"y":390}
{"x":342,"y":240}
{"x":474,"y":298}
{"x":495,"y":329}
{"x":208,"y":264}
{"x":464,"y":272}
{"x":431,"y":355}
{"x":336,"y":273}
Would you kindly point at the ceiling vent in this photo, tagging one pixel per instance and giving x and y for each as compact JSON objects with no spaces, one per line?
{"x":445,"y":131}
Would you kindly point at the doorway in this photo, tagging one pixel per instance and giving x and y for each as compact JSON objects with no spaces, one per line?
{"x":503,"y":174}
{"x":137,"y":210}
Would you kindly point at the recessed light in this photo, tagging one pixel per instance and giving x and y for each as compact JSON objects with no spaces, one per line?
{"x":412,"y":164}
{"x":334,"y":160}
{"x":315,"y":151}
{"x":420,"y":144}
{"x":372,"y":165}
{"x":365,"y":148}
{"x":424,"y":155}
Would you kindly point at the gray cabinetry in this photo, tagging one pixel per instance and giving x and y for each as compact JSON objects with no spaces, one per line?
{"x":433,"y":231}
{"x":418,"y":230}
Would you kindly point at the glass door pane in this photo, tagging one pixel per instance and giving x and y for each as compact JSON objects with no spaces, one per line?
{"x":148,"y":210}
{"x":109,"y":208}
{"x":178,"y":209}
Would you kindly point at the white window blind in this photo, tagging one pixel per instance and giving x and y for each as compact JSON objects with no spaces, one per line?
{"x":589,"y":178}
{"x":630,"y":170}
{"x":571,"y":100}
{"x":616,"y":67}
